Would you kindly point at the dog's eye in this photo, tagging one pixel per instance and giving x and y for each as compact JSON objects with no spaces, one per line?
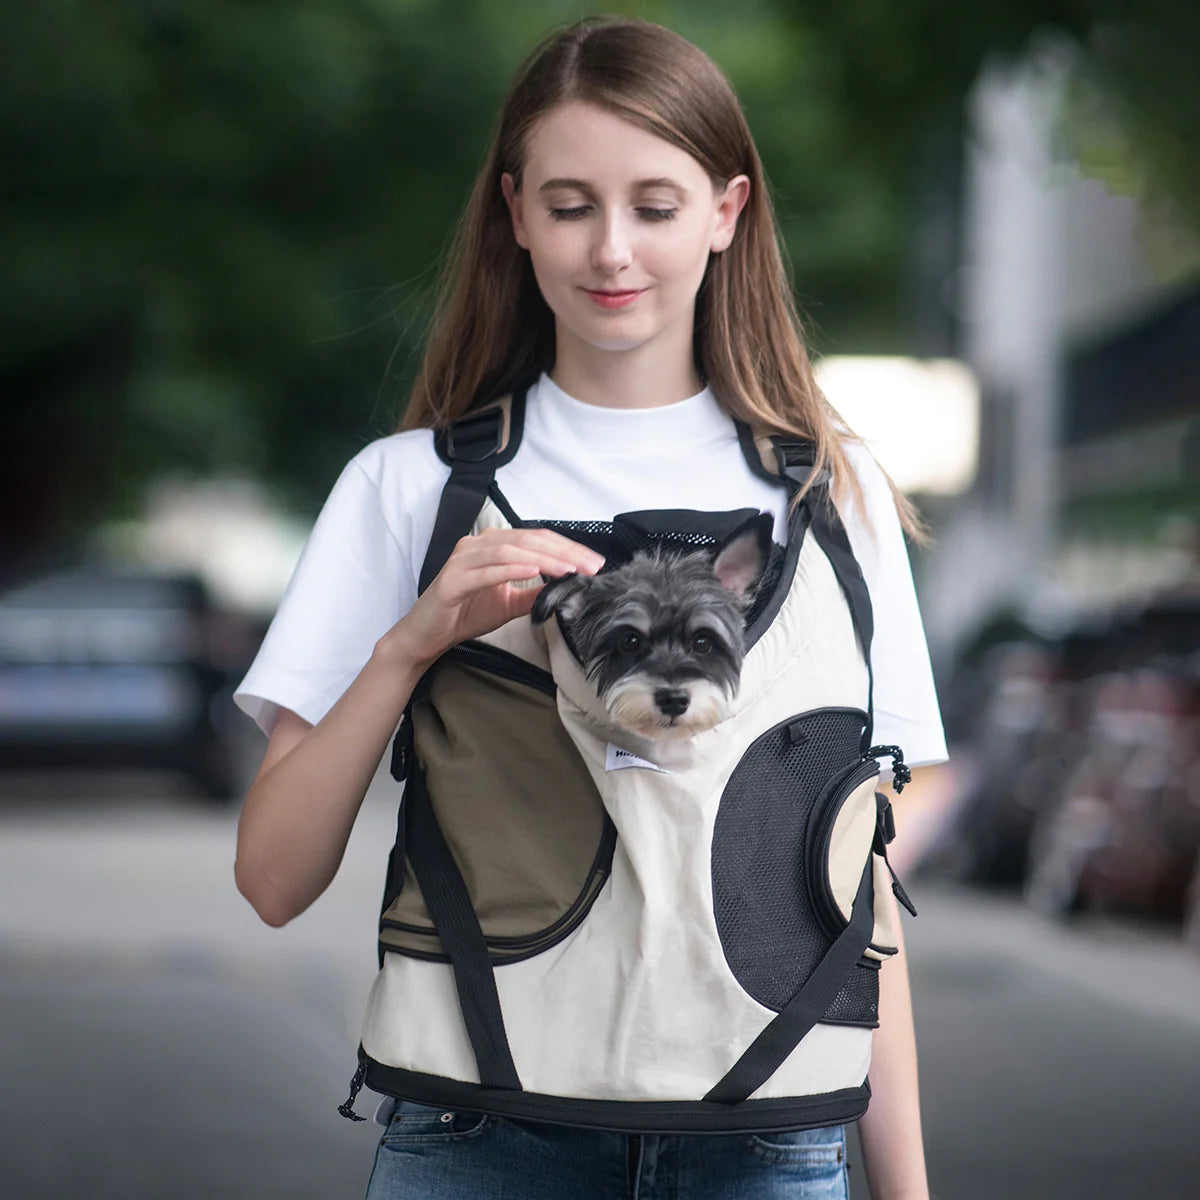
{"x":630,"y":643}
{"x":702,"y":643}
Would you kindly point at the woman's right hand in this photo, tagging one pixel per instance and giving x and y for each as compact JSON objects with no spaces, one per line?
{"x":473,"y":593}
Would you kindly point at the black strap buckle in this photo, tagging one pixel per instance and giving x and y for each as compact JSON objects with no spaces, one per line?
{"x":885,"y":834}
{"x":795,"y":458}
{"x":885,"y":824}
{"x":402,"y":748}
{"x":475,"y":437}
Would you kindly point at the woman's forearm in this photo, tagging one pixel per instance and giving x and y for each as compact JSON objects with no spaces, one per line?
{"x":890,"y":1130}
{"x":298,"y":815}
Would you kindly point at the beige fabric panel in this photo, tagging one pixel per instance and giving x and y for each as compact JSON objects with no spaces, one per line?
{"x":526,"y":837}
{"x":850,"y":843}
{"x":766,"y":451}
{"x":885,"y":936}
{"x":518,"y":636}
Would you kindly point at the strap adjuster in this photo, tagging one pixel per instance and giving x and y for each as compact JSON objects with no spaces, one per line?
{"x":885,"y":824}
{"x":402,"y":748}
{"x":476,"y":436}
{"x":795,"y":459}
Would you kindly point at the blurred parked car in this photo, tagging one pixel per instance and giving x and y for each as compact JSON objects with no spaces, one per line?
{"x":1124,"y":833}
{"x":105,"y":668}
{"x":1086,"y":752}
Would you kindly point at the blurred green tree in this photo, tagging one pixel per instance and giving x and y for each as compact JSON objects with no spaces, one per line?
{"x":222,"y":222}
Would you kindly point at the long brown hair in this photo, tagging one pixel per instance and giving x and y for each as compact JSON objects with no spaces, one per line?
{"x":492,"y":329}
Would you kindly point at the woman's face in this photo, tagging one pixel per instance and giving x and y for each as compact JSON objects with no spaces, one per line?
{"x":619,"y":225}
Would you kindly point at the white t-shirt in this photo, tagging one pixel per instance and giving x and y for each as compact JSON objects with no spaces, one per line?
{"x":357,"y":574}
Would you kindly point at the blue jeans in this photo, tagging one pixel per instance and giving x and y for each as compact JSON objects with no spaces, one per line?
{"x":438,"y":1154}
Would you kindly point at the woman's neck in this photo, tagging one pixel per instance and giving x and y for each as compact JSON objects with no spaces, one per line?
{"x":640,"y":378}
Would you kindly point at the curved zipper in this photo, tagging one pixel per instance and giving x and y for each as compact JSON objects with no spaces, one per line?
{"x":830,"y":804}
{"x":503,"y":663}
{"x":541,"y":939}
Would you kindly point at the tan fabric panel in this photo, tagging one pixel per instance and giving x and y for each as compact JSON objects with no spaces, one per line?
{"x":885,"y":932}
{"x":515,"y":802}
{"x":850,"y":843}
{"x":766,"y":451}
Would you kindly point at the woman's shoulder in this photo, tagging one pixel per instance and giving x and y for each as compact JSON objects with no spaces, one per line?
{"x":402,"y":455}
{"x":401,"y":465}
{"x":876,"y":491}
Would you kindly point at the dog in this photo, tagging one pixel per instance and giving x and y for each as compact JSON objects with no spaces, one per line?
{"x":661,"y":637}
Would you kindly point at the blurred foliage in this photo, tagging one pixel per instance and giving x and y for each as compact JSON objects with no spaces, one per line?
{"x":1132,"y":120}
{"x":222,"y":223}
{"x":1143,"y":70}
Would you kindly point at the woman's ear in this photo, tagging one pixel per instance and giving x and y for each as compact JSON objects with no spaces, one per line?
{"x":730,"y":203}
{"x":513,"y":199}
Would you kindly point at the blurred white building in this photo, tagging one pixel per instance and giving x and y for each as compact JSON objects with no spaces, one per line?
{"x":1083,"y":330}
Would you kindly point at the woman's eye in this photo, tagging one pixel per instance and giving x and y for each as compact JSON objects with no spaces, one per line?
{"x":580,"y":210}
{"x":702,"y":643}
{"x":631,"y":643}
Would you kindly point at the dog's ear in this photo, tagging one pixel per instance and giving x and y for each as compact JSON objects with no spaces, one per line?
{"x":563,"y":596}
{"x":739,"y":561}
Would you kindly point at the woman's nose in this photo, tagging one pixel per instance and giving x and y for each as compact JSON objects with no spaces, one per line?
{"x":612,"y":249}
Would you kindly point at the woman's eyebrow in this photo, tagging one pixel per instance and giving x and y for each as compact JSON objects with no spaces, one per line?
{"x":639,"y":185}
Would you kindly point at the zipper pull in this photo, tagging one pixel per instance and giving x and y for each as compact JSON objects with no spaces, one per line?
{"x":402,"y":747}
{"x":347,"y":1109}
{"x":898,"y":890}
{"x":901,"y":774}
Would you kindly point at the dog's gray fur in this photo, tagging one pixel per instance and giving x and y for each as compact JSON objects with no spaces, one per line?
{"x":661,"y":637}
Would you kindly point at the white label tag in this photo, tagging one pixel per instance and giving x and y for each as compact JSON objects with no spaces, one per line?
{"x":618,"y":759}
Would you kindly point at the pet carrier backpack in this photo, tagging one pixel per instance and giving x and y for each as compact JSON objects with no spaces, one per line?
{"x":569,"y":933}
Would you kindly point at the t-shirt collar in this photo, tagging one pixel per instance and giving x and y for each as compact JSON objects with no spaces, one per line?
{"x":696,"y":420}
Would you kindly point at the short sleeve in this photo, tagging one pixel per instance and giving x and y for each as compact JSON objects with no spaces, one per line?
{"x":905,"y":699}
{"x":351,"y":584}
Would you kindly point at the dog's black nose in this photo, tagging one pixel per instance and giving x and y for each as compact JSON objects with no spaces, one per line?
{"x":672,"y":701}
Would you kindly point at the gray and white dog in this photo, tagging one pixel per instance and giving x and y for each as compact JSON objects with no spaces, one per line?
{"x":661,"y":637}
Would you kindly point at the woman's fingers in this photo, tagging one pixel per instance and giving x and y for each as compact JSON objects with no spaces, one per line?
{"x":547,"y":542}
{"x":470,"y":564}
{"x":469,"y":596}
{"x":467,"y":582}
{"x":550,"y":558}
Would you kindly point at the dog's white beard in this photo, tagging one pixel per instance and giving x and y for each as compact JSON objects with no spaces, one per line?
{"x":630,"y":704}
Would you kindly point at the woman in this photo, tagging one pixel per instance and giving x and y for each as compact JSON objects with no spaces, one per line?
{"x":618,"y":259}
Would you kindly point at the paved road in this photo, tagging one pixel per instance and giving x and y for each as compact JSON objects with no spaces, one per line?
{"x":159,"y":1041}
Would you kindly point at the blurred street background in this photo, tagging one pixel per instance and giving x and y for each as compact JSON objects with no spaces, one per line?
{"x":222,"y":226}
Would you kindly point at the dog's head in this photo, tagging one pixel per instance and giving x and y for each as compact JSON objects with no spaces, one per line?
{"x":661,"y":637}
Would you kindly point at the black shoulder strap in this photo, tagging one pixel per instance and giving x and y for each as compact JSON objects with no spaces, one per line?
{"x":457,"y":923}
{"x":474,"y":446}
{"x":831,"y":536}
{"x":794,"y":457}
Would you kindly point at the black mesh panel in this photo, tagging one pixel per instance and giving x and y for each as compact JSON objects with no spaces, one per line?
{"x":858,"y":1002}
{"x":771,"y":937}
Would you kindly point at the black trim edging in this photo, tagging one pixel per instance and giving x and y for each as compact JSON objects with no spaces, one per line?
{"x":622,"y":1116}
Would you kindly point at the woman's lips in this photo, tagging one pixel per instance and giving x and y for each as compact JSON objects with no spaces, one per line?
{"x":614,"y":299}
